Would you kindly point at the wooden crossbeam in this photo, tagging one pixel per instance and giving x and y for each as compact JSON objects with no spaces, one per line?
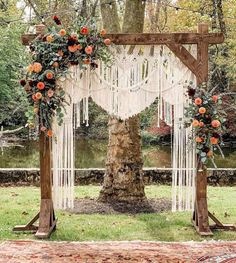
{"x":153,"y":39}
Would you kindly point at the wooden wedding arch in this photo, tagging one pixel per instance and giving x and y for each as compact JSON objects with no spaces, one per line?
{"x":199,"y":67}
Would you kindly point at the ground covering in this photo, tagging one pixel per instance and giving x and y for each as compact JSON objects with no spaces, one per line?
{"x":19,"y":204}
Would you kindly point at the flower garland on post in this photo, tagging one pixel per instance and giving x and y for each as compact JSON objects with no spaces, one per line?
{"x":53,"y":53}
{"x":207,"y":117}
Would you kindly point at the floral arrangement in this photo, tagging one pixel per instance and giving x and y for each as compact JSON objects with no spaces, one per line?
{"x":53,"y":53}
{"x":207,"y":117}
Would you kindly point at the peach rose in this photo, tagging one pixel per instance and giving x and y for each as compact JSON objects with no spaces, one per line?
{"x":37,"y":67}
{"x":38,"y":95}
{"x":215,"y":124}
{"x":62,"y":32}
{"x":215,"y":98}
{"x":49,"y":38}
{"x":107,"y":41}
{"x":88,"y":50}
{"x":202,"y":110}
{"x":79,"y":47}
{"x":213,"y":140}
{"x":198,"y":139}
{"x":198,"y":101}
{"x":103,"y":32}
{"x":49,"y":75}
{"x":72,"y":48}
{"x":201,"y":124}
{"x":195,"y":123}
{"x":55,"y":64}
{"x":41,"y":85}
{"x":30,"y":68}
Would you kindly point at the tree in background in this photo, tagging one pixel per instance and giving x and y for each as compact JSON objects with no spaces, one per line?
{"x":123,"y":179}
{"x":13,"y":57}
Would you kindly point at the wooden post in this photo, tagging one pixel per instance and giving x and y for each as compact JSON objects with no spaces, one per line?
{"x":201,"y":214}
{"x":46,"y":216}
{"x":47,"y":222}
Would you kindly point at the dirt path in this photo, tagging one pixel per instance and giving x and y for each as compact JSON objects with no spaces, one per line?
{"x":116,"y":252}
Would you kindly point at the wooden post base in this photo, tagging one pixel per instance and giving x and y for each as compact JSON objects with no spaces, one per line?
{"x":47,"y":221}
{"x":28,"y":227}
{"x":201,"y":226}
{"x":217,"y":226}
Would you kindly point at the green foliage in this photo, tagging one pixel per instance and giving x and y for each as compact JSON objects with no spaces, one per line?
{"x":19,"y":204}
{"x":53,"y":54}
{"x":206,"y":115}
{"x":13,"y":57}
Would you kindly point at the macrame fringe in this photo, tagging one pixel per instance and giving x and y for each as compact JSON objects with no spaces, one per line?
{"x":138,"y":76}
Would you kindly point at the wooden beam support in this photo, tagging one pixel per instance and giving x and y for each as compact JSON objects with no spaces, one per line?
{"x":185,"y":56}
{"x":153,"y":39}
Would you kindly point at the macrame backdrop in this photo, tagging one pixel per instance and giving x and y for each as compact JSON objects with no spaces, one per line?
{"x":138,"y":76}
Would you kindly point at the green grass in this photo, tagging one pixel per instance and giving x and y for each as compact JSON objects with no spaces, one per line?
{"x":19,"y":204}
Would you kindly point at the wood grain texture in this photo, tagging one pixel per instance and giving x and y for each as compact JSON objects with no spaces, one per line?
{"x":151,"y":39}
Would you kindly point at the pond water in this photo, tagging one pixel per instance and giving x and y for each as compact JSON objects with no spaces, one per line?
{"x":92,"y":154}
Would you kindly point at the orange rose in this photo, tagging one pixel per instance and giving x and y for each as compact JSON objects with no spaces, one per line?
{"x":60,"y":53}
{"x":213,"y":140}
{"x":72,"y":48}
{"x":210,"y":154}
{"x":86,"y":61}
{"x":103,"y":32}
{"x":55,"y":64}
{"x":215,"y":98}
{"x":49,"y":38}
{"x":88,"y":50}
{"x":198,"y":139}
{"x":40,"y":85}
{"x":49,"y":133}
{"x":49,"y":75}
{"x":202,"y":110}
{"x":34,"y":97}
{"x":38,"y":95}
{"x":37,"y":67}
{"x":201,"y":124}
{"x":195,"y":123}
{"x":107,"y":42}
{"x":79,"y":47}
{"x":198,"y":101}
{"x":62,"y":32}
{"x":84,"y":30}
{"x":215,"y":124}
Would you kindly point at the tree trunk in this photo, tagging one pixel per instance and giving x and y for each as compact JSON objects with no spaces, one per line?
{"x":123,"y":179}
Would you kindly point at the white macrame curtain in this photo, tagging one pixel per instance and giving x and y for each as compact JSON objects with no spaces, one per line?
{"x":138,"y":76}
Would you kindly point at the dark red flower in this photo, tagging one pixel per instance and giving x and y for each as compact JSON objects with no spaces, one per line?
{"x":71,"y":41}
{"x":216,"y":135}
{"x":74,"y":62}
{"x":191,"y":92}
{"x":56,"y":20}
{"x":22,"y":82}
{"x":31,"y":83}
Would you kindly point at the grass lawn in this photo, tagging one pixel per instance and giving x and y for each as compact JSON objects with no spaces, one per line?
{"x":19,"y":204}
